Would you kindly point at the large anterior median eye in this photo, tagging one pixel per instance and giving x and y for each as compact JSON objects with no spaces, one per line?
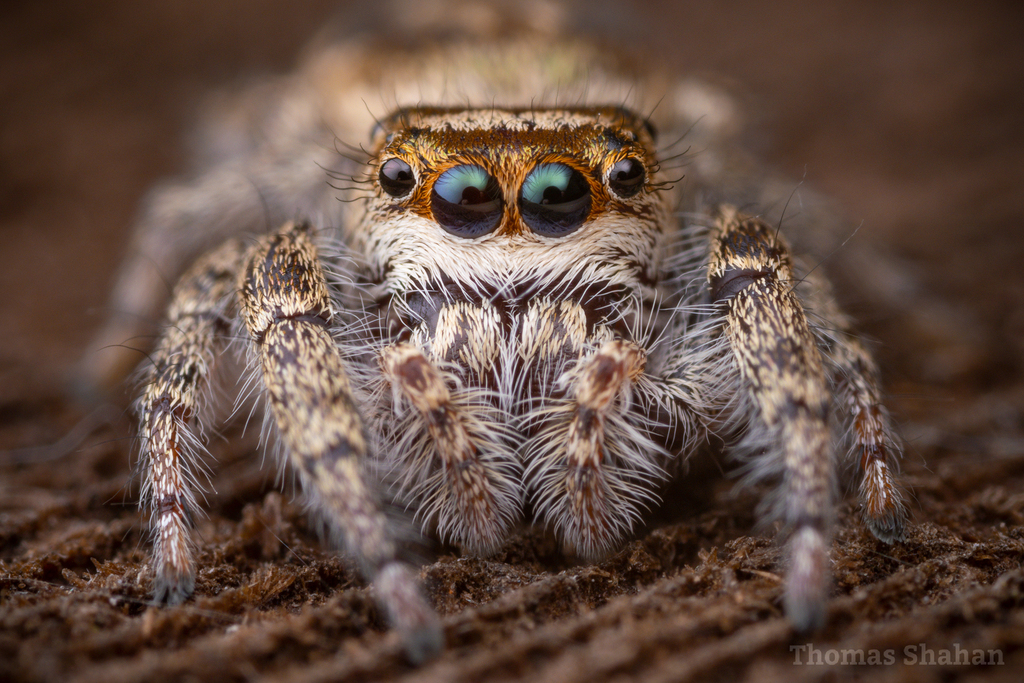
{"x":554,"y":200}
{"x":466,"y":201}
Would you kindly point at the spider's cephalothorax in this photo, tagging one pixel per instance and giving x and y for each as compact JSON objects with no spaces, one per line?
{"x":516,"y":316}
{"x":517,"y":255}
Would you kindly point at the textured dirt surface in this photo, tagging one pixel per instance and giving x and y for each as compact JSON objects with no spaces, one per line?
{"x":909,"y":117}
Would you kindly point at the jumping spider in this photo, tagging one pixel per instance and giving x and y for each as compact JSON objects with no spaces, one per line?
{"x":519,"y":311}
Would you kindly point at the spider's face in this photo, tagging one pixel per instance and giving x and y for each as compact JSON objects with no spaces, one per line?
{"x":527,"y":199}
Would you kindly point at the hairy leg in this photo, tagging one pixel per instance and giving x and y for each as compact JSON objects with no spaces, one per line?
{"x":784,"y":399}
{"x":286,"y":309}
{"x":181,"y":363}
{"x":857,"y":385}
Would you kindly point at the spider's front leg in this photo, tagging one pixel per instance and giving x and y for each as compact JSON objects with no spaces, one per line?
{"x":286,"y":308}
{"x":786,"y":393}
{"x":784,"y":402}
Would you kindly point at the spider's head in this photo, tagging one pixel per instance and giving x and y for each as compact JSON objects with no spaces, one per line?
{"x":506,"y":197}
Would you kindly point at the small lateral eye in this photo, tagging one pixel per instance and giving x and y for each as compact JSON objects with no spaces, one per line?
{"x":626,"y":177}
{"x":554,"y":200}
{"x":396,"y":177}
{"x":466,"y":201}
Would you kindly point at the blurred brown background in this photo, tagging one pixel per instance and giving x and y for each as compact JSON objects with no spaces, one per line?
{"x":909,"y":115}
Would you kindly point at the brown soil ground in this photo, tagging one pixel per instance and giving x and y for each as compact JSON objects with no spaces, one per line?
{"x":911,"y":117}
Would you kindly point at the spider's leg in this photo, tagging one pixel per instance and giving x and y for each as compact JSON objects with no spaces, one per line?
{"x":286,"y":308}
{"x":784,"y":397}
{"x":475,"y":494}
{"x":197,"y":320}
{"x":858,"y":390}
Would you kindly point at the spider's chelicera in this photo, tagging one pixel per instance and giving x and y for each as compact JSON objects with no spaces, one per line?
{"x":517,"y":315}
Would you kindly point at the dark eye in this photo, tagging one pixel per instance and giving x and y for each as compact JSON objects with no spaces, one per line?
{"x":466,"y":201}
{"x":626,"y":177}
{"x":396,"y":178}
{"x":554,"y":200}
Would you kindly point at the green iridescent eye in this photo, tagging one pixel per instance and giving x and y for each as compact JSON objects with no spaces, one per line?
{"x":466,"y":201}
{"x":554,"y":200}
{"x":547,"y":183}
{"x":464,"y":185}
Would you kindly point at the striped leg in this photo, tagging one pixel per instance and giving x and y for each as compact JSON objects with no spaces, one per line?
{"x":786,"y":388}
{"x":286,"y":308}
{"x":859,"y":393}
{"x":855,"y":378}
{"x":197,"y":320}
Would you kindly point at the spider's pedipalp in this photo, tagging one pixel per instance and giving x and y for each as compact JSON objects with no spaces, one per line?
{"x":475,"y":494}
{"x":174,"y":382}
{"x":285,"y":305}
{"x":594,"y":468}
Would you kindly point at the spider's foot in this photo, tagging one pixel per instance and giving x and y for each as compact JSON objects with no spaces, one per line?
{"x":808,"y":580}
{"x":890,"y":527}
{"x":400,"y":595}
{"x":885,"y":514}
{"x":172,"y":587}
